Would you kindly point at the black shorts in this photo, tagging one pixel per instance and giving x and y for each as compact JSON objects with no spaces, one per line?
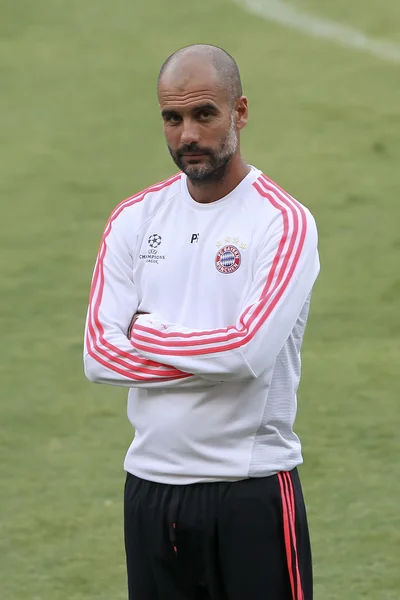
{"x":246,"y":540}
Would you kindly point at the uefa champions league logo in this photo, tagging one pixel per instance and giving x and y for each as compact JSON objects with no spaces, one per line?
{"x":154,"y":240}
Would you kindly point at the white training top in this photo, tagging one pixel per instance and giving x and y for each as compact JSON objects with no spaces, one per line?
{"x":214,"y":366}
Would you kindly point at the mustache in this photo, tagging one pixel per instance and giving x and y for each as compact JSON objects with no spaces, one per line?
{"x":192,"y":148}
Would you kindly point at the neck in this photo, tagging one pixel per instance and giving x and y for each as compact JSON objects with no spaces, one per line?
{"x":207,"y":192}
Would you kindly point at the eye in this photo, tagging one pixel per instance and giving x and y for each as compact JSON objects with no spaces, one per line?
{"x":172,"y":119}
{"x":205,"y":115}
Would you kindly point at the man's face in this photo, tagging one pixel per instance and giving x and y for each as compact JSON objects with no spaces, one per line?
{"x":199,"y":127}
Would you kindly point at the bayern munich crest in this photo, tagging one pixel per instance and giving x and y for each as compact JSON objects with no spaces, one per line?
{"x":228,"y":259}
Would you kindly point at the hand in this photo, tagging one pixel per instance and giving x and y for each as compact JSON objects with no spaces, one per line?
{"x":135,"y":316}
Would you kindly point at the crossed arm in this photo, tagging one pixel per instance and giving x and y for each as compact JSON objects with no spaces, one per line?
{"x":109,"y":355}
{"x":147,"y":352}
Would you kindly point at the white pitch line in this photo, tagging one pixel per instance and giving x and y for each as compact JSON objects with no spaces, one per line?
{"x":290,"y":16}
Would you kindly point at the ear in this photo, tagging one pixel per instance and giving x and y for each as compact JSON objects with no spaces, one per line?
{"x":242,"y":112}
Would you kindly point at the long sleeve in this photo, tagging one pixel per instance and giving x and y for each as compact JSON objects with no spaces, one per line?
{"x":285,"y":270}
{"x":109,"y":356}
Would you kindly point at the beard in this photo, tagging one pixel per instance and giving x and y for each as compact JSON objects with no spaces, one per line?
{"x":213,"y":165}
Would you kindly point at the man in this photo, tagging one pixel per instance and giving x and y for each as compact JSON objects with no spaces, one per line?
{"x":198,"y":305}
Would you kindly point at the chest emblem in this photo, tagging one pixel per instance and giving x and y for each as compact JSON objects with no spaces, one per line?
{"x":154,"y":240}
{"x":228,"y":258}
{"x":153,"y":256}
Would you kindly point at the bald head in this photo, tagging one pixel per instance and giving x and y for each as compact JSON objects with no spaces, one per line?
{"x":186,"y":63}
{"x":203,"y":112}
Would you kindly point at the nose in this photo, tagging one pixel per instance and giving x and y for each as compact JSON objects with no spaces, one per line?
{"x":190,"y":132}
